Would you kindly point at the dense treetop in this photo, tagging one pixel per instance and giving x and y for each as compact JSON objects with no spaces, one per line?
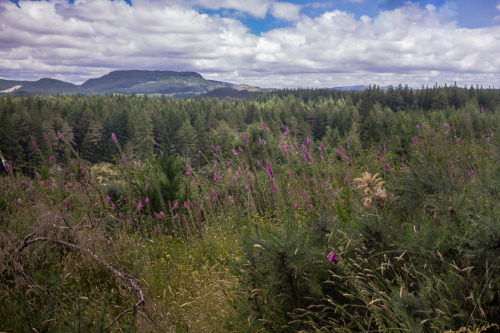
{"x":146,"y":125}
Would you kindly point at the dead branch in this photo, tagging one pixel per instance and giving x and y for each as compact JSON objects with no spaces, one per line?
{"x":130,"y":280}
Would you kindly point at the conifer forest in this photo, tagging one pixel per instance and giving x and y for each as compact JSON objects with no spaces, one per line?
{"x":293,"y":210}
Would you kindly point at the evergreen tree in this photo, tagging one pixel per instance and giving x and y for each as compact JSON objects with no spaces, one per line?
{"x":186,"y":139}
{"x":143,"y":140}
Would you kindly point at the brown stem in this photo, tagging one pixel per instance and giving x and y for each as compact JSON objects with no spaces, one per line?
{"x":124,"y":276}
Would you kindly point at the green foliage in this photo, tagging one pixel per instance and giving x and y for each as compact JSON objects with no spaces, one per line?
{"x":389,"y":222}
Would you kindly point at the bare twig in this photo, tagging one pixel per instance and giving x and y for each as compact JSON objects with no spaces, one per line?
{"x":16,"y":252}
{"x":130,"y":280}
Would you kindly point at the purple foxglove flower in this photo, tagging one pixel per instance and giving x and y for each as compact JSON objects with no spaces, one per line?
{"x":331,"y":257}
{"x":306,"y":155}
{"x":269,"y":171}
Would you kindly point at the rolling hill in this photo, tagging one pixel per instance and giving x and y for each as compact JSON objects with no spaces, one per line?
{"x":126,"y":82}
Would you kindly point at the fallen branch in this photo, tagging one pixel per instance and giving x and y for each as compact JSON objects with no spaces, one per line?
{"x":130,"y":280}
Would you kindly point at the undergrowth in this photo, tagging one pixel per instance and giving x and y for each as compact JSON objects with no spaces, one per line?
{"x":299,"y":237}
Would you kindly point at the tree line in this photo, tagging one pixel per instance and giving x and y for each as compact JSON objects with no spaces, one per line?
{"x":145,"y":126}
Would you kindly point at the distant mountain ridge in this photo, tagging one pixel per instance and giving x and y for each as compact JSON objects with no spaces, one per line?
{"x":141,"y":82}
{"x":126,"y":82}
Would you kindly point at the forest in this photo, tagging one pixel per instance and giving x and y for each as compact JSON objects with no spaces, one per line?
{"x":312,"y":210}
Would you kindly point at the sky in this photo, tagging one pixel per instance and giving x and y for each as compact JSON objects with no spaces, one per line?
{"x":265,"y":43}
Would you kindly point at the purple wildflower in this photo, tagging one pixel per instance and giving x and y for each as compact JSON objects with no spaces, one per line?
{"x":269,"y":171}
{"x":33,"y":144}
{"x":331,"y":257}
{"x":59,"y":135}
{"x":306,"y":155}
{"x":115,"y":140}
{"x":264,"y":126}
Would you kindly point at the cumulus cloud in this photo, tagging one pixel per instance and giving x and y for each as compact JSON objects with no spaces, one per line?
{"x":89,"y":38}
{"x":286,"y":11}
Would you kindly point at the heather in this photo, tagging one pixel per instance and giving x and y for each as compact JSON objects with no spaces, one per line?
{"x":300,"y":210}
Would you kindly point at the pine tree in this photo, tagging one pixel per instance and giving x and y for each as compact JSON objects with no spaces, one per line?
{"x":186,"y":139}
{"x":143,"y":140}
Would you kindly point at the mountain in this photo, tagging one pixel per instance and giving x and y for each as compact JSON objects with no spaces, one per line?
{"x":350,"y":88}
{"x":231,"y":93}
{"x":356,"y":88}
{"x":6,"y":85}
{"x":126,"y":82}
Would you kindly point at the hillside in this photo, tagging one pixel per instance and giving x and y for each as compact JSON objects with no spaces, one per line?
{"x":126,"y":82}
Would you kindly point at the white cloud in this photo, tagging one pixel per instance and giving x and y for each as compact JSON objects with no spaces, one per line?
{"x":89,"y":38}
{"x":285,"y":10}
